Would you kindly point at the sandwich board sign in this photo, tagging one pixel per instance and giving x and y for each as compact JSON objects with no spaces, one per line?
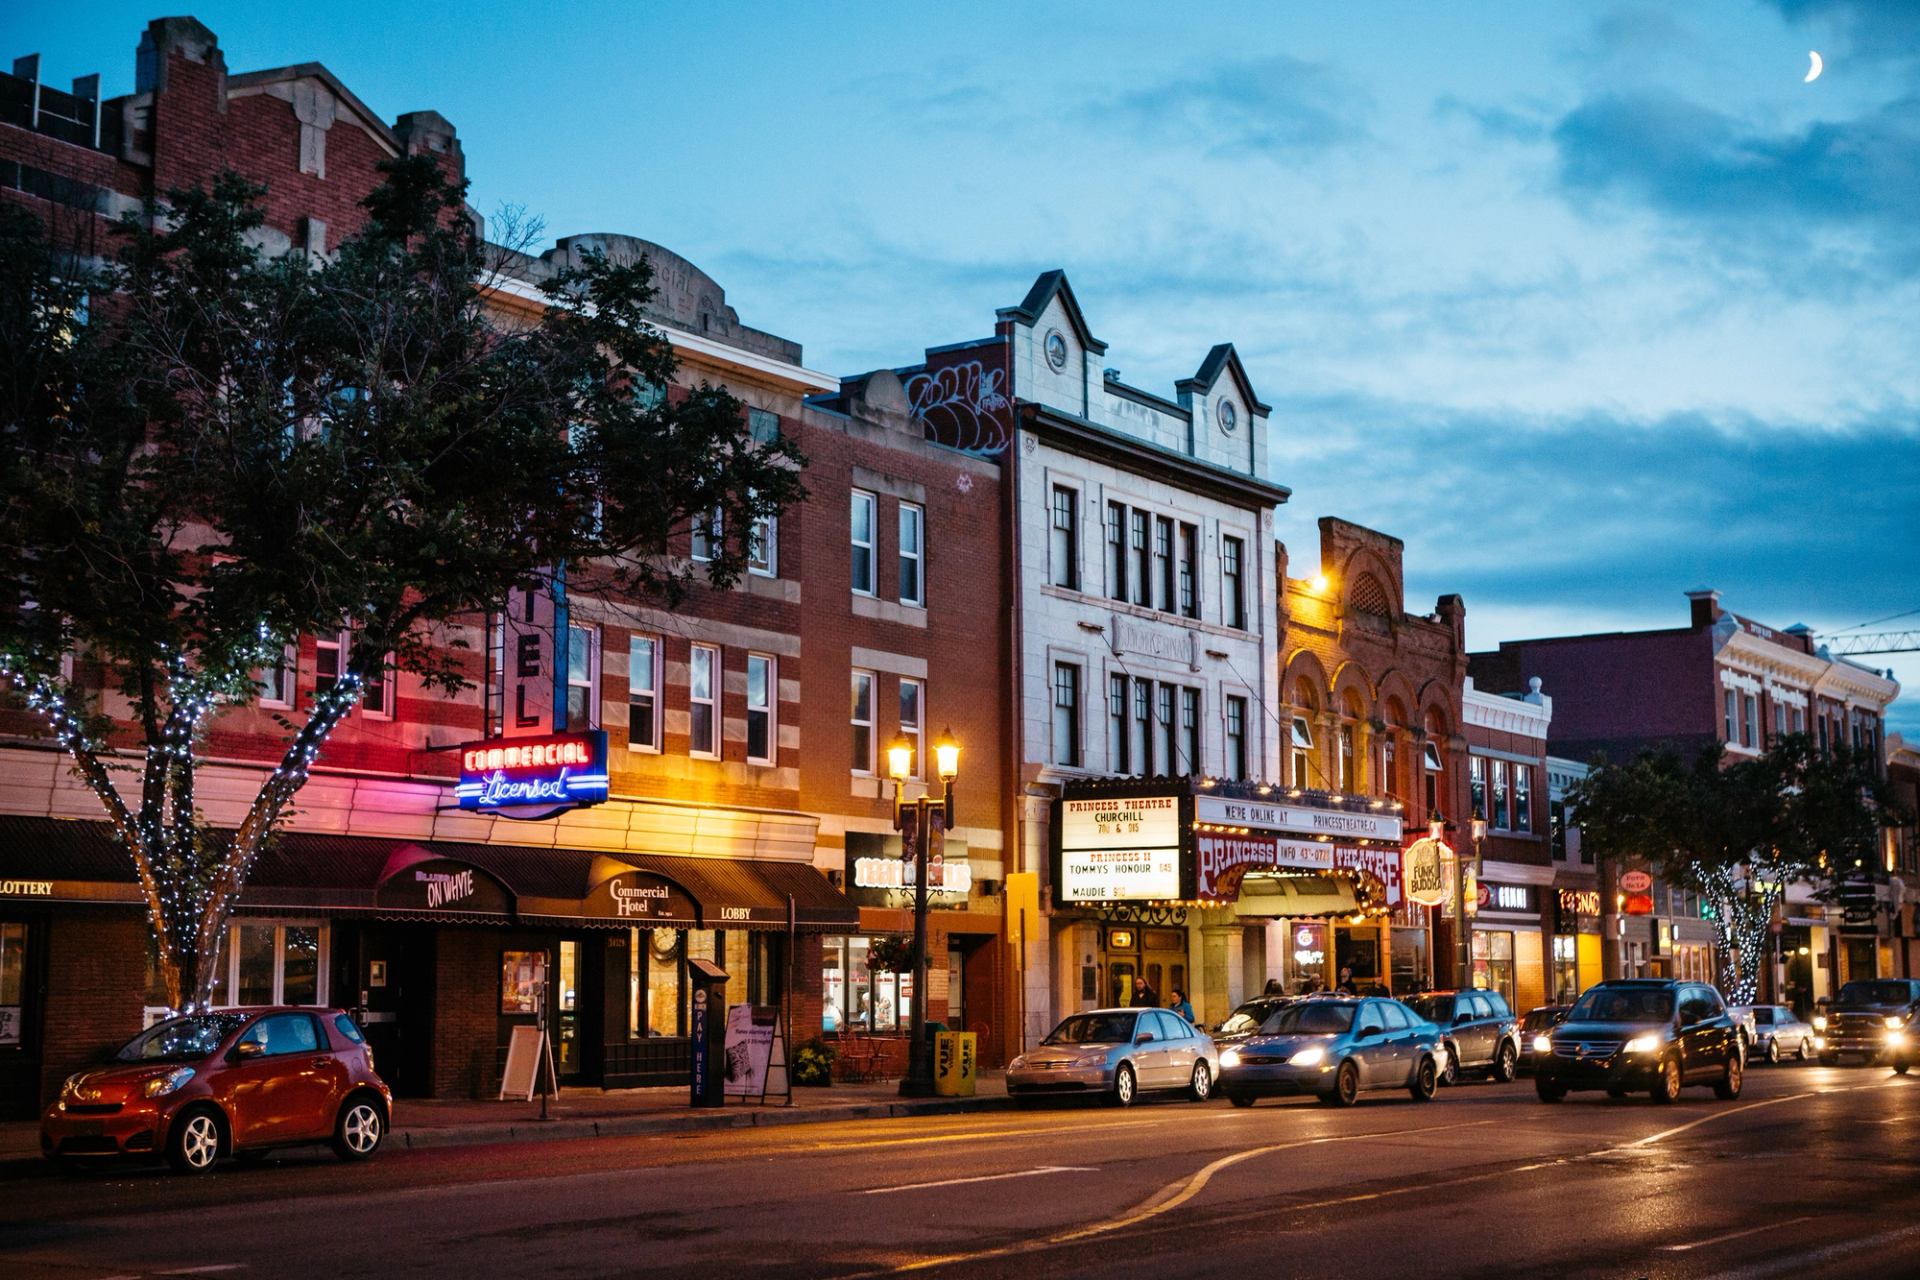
{"x":756,"y":1053}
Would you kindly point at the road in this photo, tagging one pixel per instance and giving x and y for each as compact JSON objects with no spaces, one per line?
{"x":1813,"y":1172}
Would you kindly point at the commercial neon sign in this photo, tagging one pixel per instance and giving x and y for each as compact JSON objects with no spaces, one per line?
{"x":562,"y":770}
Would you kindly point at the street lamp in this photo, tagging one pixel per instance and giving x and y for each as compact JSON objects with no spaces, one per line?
{"x":1478,"y":827}
{"x":917,"y":822}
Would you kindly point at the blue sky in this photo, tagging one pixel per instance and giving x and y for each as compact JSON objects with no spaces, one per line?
{"x":1589,"y":304}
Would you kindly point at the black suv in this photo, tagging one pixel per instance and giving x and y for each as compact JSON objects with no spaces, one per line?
{"x":1653,"y":1034}
{"x":1245,"y":1021}
{"x":1874,"y":1020}
{"x":1477,"y":1029}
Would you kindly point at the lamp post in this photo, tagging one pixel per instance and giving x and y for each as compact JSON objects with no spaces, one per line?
{"x":1479,"y":829}
{"x":917,"y":822}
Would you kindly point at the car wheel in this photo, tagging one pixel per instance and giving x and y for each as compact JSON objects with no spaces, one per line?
{"x":1346,"y":1086}
{"x":1806,"y":1050}
{"x":1504,"y":1063}
{"x":357,"y":1133}
{"x":1773,"y":1053}
{"x":1202,"y":1087}
{"x":194,"y":1142}
{"x":1900,"y":1066}
{"x":1240,"y":1099}
{"x":1728,"y":1087}
{"x":1450,"y":1070}
{"x":1548,"y":1092}
{"x":1667,"y":1087}
{"x":1426,"y":1081}
{"x":1123,"y":1086}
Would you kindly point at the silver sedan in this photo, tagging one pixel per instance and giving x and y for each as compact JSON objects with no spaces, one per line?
{"x":1779,"y":1033}
{"x":1118,"y":1053}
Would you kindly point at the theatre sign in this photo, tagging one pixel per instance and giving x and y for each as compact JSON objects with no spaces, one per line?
{"x":1119,"y":849}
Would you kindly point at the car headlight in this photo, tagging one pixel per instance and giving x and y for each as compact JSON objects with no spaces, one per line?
{"x":1229,"y":1057}
{"x":72,"y":1086}
{"x":1894,"y":1024}
{"x":161,"y":1086}
{"x":1543,"y":1044}
{"x":1311,"y":1056}
{"x":1898,"y":1036}
{"x":1642,"y":1044}
{"x":1819,"y":1022}
{"x":1017,"y":1063}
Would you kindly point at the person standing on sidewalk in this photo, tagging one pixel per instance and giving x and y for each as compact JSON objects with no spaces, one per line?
{"x":1181,"y":1005}
{"x":1144,"y":996}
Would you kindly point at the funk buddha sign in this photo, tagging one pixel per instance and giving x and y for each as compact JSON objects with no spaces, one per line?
{"x":558,"y":771}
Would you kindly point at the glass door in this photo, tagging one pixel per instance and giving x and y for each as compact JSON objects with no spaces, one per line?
{"x":566,"y":1047}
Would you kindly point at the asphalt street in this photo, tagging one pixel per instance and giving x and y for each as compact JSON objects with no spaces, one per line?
{"x":1812,"y":1172}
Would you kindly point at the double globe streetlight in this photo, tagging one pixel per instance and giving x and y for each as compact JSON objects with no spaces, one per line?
{"x":1463,"y":938}
{"x":919,"y":823}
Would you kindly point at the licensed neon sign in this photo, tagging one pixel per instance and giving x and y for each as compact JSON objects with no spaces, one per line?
{"x":561,"y":770}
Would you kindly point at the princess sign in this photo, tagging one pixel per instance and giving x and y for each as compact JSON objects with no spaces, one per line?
{"x":558,"y":771}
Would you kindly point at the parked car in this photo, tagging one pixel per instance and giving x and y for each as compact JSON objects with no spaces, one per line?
{"x":1778,"y":1033}
{"x":1654,"y":1034}
{"x":1874,"y":1020}
{"x":241,"y":1082}
{"x":1479,"y":1032}
{"x":1533,"y":1032}
{"x":1335,"y":1047}
{"x":1120,"y":1053}
{"x":1245,"y":1020}
{"x":1744,"y":1023}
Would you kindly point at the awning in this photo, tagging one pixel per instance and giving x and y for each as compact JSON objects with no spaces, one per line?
{"x":1269,"y":896}
{"x":45,"y":860}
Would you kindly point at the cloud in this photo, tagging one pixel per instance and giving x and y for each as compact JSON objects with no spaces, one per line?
{"x":1857,"y":179}
{"x":1279,"y":106}
{"x":1502,"y":123}
{"x":1873,"y":30}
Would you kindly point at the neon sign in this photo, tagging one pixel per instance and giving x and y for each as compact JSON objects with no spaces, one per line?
{"x":562,"y":770}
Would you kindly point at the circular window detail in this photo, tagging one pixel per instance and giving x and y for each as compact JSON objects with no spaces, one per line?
{"x":1056,"y":350}
{"x":1227,"y":416}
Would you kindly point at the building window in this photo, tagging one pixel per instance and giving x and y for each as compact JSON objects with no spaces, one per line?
{"x":1189,"y":554}
{"x":1116,"y":551}
{"x":1232,"y":570}
{"x":854,"y":996}
{"x":1190,"y":731}
{"x":1821,"y":720}
{"x":763,"y":547}
{"x":763,"y":426}
{"x":705,"y":540}
{"x":1348,"y":783}
{"x":1143,"y":726}
{"x":1117,"y":753}
{"x":1066,"y":714}
{"x":1523,"y":797}
{"x":1436,"y":776}
{"x":763,"y":691}
{"x":1168,"y":750}
{"x":861,"y":720}
{"x":1064,"y":546}
{"x":1779,"y":720}
{"x":1477,"y":785}
{"x":1749,"y":724}
{"x":643,"y":693}
{"x":1499,"y":814}
{"x":862,"y":538}
{"x":1142,"y":558}
{"x":329,"y":661}
{"x":583,"y":678}
{"x":1388,"y":783}
{"x":1493,"y":962}
{"x":1163,"y":562}
{"x":912,"y":558}
{"x":1236,"y":738}
{"x":1799,"y":720}
{"x":703,"y":702}
{"x":269,"y":962}
{"x":494,"y":713}
{"x":1300,"y":752}
{"x":1557,"y":829}
{"x":13,"y":981}
{"x":1733,"y":729}
{"x":277,"y":683}
{"x":913,"y":719}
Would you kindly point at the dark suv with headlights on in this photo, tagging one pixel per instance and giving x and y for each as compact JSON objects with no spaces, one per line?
{"x":1481,"y":1035}
{"x":1874,"y":1020}
{"x":1654,"y":1034}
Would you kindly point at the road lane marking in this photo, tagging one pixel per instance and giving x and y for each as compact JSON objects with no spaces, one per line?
{"x":1808,"y":1261}
{"x":1652,"y":1138}
{"x":1734,"y":1235}
{"x":984,"y":1177}
{"x":211,"y":1269}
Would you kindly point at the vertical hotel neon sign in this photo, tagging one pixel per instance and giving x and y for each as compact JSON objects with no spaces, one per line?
{"x":555,"y":772}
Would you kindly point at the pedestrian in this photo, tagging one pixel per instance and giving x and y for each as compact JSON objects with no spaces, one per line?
{"x":1144,"y":996}
{"x":1180,"y":1005}
{"x":1346,"y":984}
{"x":1273,"y":988}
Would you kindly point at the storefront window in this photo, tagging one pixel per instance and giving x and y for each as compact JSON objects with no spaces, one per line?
{"x":1358,"y":949}
{"x":262,"y":963}
{"x":523,"y":976}
{"x":1566,"y":969}
{"x":1411,"y":962}
{"x":1493,"y":961}
{"x":300,"y":965}
{"x":256,"y":949}
{"x":847,"y":991}
{"x":13,"y":971}
{"x":1307,"y":955}
{"x":664,"y":971}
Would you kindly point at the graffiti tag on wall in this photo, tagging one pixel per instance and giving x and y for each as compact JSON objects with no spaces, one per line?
{"x":964,"y":406}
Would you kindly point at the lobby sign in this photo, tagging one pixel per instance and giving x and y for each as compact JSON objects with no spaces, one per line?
{"x":1120,"y":849}
{"x":1359,"y":824}
{"x":558,"y":771}
{"x":1426,"y":871}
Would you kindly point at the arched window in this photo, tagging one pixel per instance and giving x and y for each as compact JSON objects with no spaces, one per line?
{"x":1300,"y":744}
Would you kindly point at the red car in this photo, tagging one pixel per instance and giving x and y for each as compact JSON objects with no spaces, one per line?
{"x":238,"y":1082}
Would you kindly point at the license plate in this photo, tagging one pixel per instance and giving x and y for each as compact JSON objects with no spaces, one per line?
{"x":90,"y":1128}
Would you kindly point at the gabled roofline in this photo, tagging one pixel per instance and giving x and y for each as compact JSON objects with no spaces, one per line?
{"x":1224,"y":357}
{"x":366,"y":117}
{"x":1090,"y":438}
{"x":1044,"y":288}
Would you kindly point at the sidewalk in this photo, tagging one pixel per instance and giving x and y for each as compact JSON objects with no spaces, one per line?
{"x":594,"y":1113}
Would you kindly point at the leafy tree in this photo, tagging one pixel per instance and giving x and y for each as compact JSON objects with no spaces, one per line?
{"x":208,"y":451}
{"x":1738,"y":833}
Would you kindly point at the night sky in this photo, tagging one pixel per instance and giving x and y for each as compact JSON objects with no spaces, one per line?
{"x":1589,"y":304}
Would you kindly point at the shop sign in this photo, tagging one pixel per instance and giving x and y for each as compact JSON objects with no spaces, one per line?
{"x":441,"y":884}
{"x":1120,"y":939}
{"x":1221,"y":860}
{"x":1638,"y":904}
{"x":26,"y":888}
{"x":1505,"y":897}
{"x":1120,"y":849}
{"x":943,"y":876}
{"x":558,"y":771}
{"x":1426,"y":872}
{"x":1635,"y":882}
{"x":1382,"y":864}
{"x":1577,"y":911}
{"x":1359,"y":824}
{"x":641,"y":897}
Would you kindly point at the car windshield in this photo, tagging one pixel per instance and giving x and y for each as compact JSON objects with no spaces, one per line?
{"x":1247,"y":1017}
{"x":1624,"y":1004}
{"x":1094,"y":1028}
{"x":1313,"y":1019}
{"x":1541,"y":1019}
{"x":1433,"y":1008}
{"x":1858,"y":993}
{"x":1763,"y":1017}
{"x":181,"y":1039}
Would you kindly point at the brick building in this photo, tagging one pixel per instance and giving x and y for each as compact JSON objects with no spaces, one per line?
{"x":1512,"y":946}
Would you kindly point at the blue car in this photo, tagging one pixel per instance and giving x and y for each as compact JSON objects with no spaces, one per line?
{"x":1335,"y":1047}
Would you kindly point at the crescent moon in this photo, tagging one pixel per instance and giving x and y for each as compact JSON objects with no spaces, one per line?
{"x":1813,"y":71}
